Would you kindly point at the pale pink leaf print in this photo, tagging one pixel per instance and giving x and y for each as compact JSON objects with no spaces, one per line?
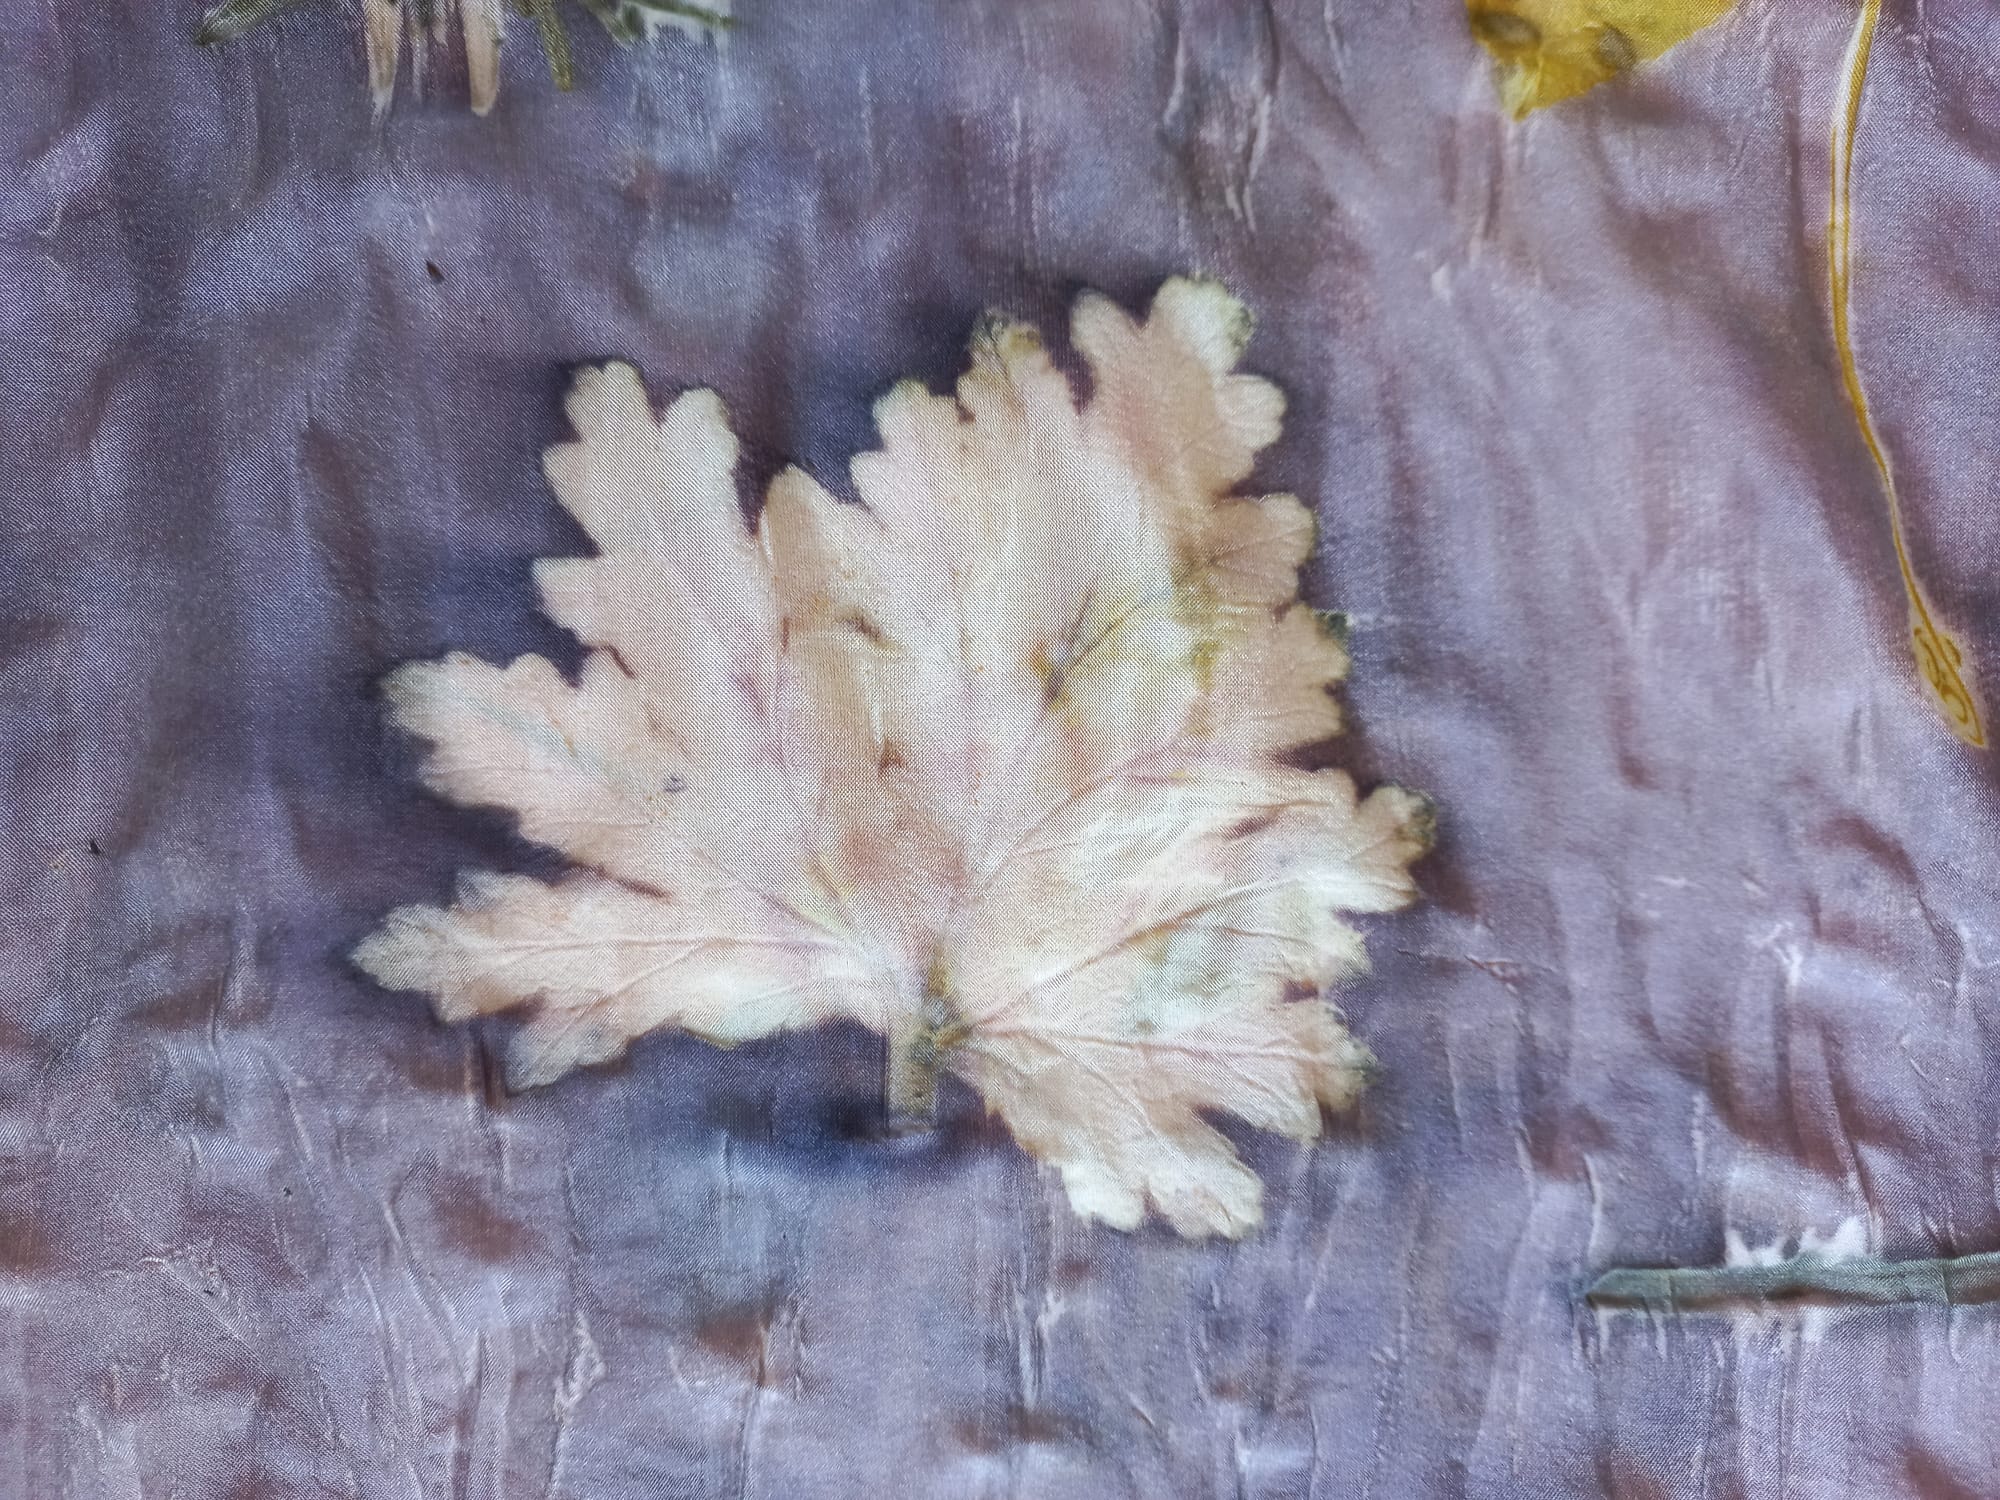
{"x":996,"y":762}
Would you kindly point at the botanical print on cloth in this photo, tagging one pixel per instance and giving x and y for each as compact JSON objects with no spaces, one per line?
{"x":1551,"y":50}
{"x":992,"y":762}
{"x":478,"y":27}
{"x":1673,"y":1172}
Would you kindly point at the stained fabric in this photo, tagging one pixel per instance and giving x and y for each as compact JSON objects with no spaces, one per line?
{"x":1707,"y":948}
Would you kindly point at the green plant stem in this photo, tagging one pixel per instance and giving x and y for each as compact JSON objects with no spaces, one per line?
{"x":914,"y":1052}
{"x":555,"y":42}
{"x":1804,"y":1278}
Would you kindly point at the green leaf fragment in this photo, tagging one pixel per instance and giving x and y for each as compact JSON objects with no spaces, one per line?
{"x":230,"y":19}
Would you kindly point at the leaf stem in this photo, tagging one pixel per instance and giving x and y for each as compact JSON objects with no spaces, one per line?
{"x":1863,"y":1281}
{"x":1939,"y":656}
{"x":914,"y":1052}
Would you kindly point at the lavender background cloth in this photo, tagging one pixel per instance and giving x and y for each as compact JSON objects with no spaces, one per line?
{"x":1709,"y":941}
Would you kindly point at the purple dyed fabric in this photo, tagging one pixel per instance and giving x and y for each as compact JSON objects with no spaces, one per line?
{"x":1709,"y":942}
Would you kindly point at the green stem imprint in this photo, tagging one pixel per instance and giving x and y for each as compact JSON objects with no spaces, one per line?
{"x":555,"y":42}
{"x":1861,"y":1281}
{"x":915,"y":1053}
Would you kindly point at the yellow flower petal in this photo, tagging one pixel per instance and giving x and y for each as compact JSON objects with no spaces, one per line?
{"x":1551,"y":50}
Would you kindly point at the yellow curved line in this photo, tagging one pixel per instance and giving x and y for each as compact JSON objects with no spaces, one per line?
{"x":1939,"y":655}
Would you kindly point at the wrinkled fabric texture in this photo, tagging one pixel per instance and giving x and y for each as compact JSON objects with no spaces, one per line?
{"x":1708,"y":942}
